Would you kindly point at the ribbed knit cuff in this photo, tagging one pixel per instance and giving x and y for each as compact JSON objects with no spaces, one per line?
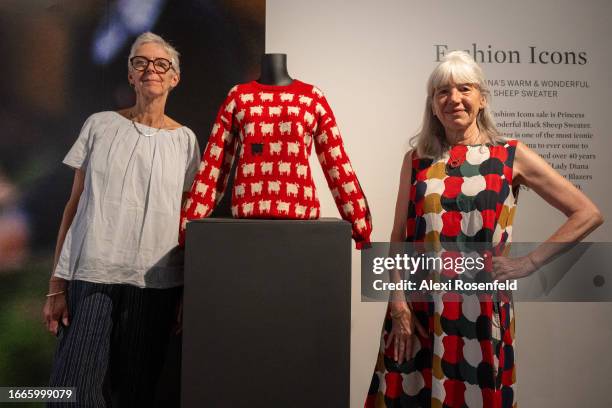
{"x":363,"y":245}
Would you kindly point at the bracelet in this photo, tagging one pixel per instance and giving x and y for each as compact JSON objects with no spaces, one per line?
{"x":55,"y":293}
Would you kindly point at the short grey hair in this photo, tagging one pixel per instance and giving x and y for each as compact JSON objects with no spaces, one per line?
{"x":150,"y":37}
{"x":458,"y":67}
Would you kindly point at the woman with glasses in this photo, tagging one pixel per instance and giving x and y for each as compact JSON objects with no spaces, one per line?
{"x":115,"y":293}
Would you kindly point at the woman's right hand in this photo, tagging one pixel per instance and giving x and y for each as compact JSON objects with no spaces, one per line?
{"x":402,"y":331}
{"x":56,"y":308}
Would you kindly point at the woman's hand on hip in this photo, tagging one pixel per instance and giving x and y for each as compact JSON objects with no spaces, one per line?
{"x":512,"y":268}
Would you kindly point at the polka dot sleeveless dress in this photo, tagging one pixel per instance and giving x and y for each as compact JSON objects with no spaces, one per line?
{"x":468,"y":358}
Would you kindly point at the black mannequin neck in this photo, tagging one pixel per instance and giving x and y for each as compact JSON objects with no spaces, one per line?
{"x":274,"y":70}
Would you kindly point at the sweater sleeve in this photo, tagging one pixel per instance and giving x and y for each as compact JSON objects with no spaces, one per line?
{"x":211,"y":179}
{"x":341,"y":179}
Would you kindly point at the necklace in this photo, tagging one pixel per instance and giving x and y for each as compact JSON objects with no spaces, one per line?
{"x":142,"y":132}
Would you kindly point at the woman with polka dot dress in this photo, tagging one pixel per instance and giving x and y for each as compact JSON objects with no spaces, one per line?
{"x":458,"y":186}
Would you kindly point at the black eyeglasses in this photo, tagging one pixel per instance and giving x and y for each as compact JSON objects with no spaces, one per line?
{"x":160,"y":65}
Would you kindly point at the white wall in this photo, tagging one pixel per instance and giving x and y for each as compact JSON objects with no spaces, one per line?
{"x":372,"y":60}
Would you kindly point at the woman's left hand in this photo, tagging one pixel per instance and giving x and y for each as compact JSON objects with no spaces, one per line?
{"x":512,"y":268}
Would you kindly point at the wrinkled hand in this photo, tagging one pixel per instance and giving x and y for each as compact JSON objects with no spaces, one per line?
{"x":54,"y":311}
{"x":512,"y":268}
{"x":402,"y":331}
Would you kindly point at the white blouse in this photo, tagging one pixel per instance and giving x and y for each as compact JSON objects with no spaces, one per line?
{"x":126,"y":226}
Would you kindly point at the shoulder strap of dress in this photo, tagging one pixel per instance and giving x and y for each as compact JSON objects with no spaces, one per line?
{"x":415,"y":166}
{"x":510,"y":147}
{"x":411,"y":216}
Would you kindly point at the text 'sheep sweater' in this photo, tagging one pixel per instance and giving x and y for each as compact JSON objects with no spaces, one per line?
{"x":272,"y":130}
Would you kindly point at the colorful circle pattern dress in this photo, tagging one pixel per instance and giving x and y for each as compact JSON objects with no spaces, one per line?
{"x":468,"y":358}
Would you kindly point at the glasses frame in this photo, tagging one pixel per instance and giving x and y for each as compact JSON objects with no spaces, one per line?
{"x":149,"y":61}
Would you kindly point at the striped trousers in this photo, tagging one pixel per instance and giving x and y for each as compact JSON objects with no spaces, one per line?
{"x":114,"y":348}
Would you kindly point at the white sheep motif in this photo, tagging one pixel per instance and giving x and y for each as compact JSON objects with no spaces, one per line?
{"x":267,"y":129}
{"x":275,"y":148}
{"x":247,"y":209}
{"x":293,"y":148}
{"x":240,"y":115}
{"x":305,"y":100}
{"x":266,"y":97}
{"x":286,"y":97}
{"x":333,"y":173}
{"x":247,"y":97}
{"x":300,"y":210}
{"x":274,"y":111}
{"x":284,"y":168}
{"x":302,"y":171}
{"x":215,"y":151}
{"x":266,"y":168}
{"x":349,"y":187}
{"x":201,"y":189}
{"x":264,"y":205}
{"x":230,"y":106}
{"x":256,"y":188}
{"x":249,"y":129}
{"x":284,"y":128}
{"x":200,"y":210}
{"x":292,"y":189}
{"x":273,"y":187}
{"x":308,"y":193}
{"x":347,"y":209}
{"x":248,"y":169}
{"x":283,"y":207}
{"x":335,"y":152}
{"x":214,"y":174}
{"x":309,"y":118}
{"x":239,"y":190}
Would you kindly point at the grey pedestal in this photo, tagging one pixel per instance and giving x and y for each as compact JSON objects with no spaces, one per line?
{"x":267,"y":314}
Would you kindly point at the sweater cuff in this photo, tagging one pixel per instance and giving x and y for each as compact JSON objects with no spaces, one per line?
{"x":181,"y":238}
{"x":363,"y":244}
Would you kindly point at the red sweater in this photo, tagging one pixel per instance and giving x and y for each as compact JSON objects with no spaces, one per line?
{"x":272,"y":130}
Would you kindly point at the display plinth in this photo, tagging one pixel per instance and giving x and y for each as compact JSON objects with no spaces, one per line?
{"x":266,"y":313}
